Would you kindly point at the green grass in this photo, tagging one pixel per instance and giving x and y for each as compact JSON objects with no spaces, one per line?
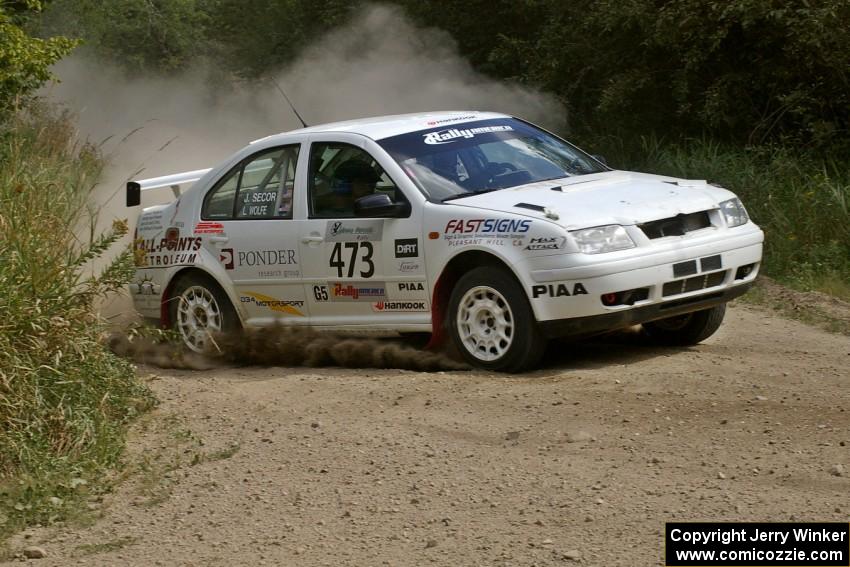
{"x":801,"y":202}
{"x":65,"y":400}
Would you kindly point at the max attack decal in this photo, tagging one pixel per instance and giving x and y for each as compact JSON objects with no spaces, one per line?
{"x":389,"y":306}
{"x":560,"y":290}
{"x":277,"y":305}
{"x":547,"y":243}
{"x":205,"y":227}
{"x":353,"y":292}
{"x":446,"y":136}
{"x":353,"y":231}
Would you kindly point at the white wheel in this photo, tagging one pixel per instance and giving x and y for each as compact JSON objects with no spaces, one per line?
{"x":485,"y":323}
{"x":198,"y":317}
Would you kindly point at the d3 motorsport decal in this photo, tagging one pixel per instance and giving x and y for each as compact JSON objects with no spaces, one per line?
{"x":277,"y":305}
{"x":357,"y":292}
{"x":169,"y":251}
{"x":490,"y":232}
{"x":546,"y":243}
{"x":406,"y":247}
{"x":395,"y":306}
{"x":354,"y":231}
{"x":559,"y":290}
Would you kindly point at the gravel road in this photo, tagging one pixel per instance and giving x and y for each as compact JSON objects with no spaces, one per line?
{"x":581,"y":462}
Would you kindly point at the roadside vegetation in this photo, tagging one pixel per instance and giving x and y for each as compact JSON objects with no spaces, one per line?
{"x":65,"y":400}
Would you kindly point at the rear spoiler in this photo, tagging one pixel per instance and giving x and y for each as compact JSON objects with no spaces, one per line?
{"x":135,"y":188}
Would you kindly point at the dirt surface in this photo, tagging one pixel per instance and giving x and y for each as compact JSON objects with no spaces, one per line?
{"x":581,"y":462}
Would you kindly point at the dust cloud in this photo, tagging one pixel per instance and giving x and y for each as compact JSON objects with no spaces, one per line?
{"x":284,"y":346}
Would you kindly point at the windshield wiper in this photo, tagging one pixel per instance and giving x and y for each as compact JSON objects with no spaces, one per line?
{"x":471,"y":193}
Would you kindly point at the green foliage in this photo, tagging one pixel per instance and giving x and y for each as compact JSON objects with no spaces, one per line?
{"x":64,"y":398}
{"x":140,"y":35}
{"x":24,"y":60}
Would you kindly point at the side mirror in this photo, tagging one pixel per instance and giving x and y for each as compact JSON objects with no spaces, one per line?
{"x":380,"y":205}
{"x":601,"y":159}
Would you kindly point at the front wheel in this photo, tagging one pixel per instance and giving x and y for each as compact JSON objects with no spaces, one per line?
{"x":491,"y":322}
{"x":688,"y":329}
{"x":199,"y":309}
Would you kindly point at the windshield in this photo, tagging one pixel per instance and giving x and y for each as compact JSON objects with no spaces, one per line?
{"x":485,"y":155}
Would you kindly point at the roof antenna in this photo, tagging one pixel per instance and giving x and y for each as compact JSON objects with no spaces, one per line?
{"x":292,"y":106}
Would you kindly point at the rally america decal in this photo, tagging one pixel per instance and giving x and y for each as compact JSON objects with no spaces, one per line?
{"x":354,"y":231}
{"x":287,"y":307}
{"x":452,"y":134}
{"x":487,"y":232}
{"x":357,"y":292}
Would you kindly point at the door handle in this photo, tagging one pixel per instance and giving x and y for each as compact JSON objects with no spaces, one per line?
{"x":219,"y":239}
{"x":310,"y":239}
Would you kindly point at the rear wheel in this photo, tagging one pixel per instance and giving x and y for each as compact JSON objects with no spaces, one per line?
{"x":198,"y":309}
{"x":491,"y":322}
{"x":687,"y":329}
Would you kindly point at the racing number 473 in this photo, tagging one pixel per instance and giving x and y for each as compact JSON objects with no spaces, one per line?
{"x":361,"y":250}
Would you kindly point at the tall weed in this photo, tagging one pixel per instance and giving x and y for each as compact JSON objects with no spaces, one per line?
{"x":64,"y":398}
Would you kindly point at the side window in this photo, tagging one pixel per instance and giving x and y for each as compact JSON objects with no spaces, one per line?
{"x":261,"y":187}
{"x":339,"y":175}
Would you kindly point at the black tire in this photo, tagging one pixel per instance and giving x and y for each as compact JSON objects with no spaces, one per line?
{"x":688,"y":329}
{"x":214,"y":313}
{"x":475,"y":328}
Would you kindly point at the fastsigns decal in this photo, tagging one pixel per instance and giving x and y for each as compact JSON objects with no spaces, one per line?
{"x":354,"y":231}
{"x":288,"y":307}
{"x":488,"y":232}
{"x":452,"y":134}
{"x":396,"y":306}
{"x":559,"y":290}
{"x":357,"y":292}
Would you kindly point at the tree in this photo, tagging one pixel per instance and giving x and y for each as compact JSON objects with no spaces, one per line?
{"x":24,"y":60}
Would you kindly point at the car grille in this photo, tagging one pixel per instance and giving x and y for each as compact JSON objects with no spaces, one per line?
{"x":703,"y":281}
{"x":676,"y":226}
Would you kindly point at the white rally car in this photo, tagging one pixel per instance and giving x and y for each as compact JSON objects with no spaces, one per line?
{"x":472,"y":224}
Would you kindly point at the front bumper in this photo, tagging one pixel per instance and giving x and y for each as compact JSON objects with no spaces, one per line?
{"x":569,"y":299}
{"x":578,"y":326}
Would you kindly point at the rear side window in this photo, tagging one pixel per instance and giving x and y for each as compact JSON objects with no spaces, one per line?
{"x":260,"y":187}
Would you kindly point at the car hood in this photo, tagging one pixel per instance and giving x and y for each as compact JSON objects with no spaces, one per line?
{"x":613,"y":197}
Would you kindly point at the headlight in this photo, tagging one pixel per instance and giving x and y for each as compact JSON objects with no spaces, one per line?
{"x":601,"y":239}
{"x":735,"y":213}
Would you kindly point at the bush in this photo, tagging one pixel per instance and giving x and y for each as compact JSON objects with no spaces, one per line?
{"x":65,"y":400}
